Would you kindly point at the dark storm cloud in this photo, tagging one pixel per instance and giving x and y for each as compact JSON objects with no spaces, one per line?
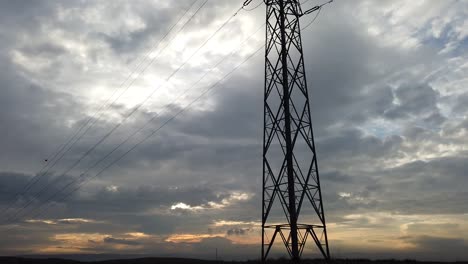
{"x":235,"y":115}
{"x":337,"y":94}
{"x":340,"y":95}
{"x":406,"y":189}
{"x":145,"y":197}
{"x":415,"y":180}
{"x":353,"y":143}
{"x":26,"y":108}
{"x":129,"y":199}
{"x":47,"y":193}
{"x":10,"y":184}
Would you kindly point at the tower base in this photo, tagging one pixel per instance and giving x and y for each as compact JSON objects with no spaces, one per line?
{"x":304,"y":231}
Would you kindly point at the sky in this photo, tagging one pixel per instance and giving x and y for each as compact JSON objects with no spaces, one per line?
{"x":387,"y":83}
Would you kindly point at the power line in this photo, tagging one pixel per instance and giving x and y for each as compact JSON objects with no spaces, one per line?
{"x":134,"y":110}
{"x":317,"y":14}
{"x":52,"y":157}
{"x":313,"y":20}
{"x":107,"y":135}
{"x":225,"y":77}
{"x":253,"y":8}
{"x":119,"y":124}
{"x":82,"y":178}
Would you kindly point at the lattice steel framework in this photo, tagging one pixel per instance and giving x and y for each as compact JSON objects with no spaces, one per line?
{"x":290,"y":173}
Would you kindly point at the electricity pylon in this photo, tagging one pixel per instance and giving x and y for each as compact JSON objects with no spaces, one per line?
{"x":290,"y":172}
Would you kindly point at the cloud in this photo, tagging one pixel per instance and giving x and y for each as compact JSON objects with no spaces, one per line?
{"x":413,"y":101}
{"x":441,"y":248}
{"x":237,"y":232}
{"x":387,"y":85}
{"x":112,"y":240}
{"x":69,"y":221}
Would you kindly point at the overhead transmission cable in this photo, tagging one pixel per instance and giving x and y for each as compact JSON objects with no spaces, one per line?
{"x":253,"y":8}
{"x":51,"y":159}
{"x":318,"y":9}
{"x":133,"y":111}
{"x":83,"y":180}
{"x":224,"y":78}
{"x":313,"y":20}
{"x":125,"y":118}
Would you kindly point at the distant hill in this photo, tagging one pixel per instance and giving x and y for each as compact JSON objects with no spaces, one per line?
{"x":87,"y":257}
{"x":148,"y":260}
{"x":67,"y":260}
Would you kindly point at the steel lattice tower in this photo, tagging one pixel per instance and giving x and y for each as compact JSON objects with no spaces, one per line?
{"x":290,"y":173}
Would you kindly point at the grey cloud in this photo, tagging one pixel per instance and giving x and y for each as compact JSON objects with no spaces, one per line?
{"x":10,"y":184}
{"x":235,"y":115}
{"x":439,"y":247}
{"x":43,"y":49}
{"x":433,"y":187}
{"x":125,"y":202}
{"x":338,"y":94}
{"x":35,"y":118}
{"x":461,"y":105}
{"x":125,"y":40}
{"x":112,"y":240}
{"x":421,"y":228}
{"x":353,"y":142}
{"x":45,"y":189}
{"x":417,"y":100}
{"x":436,"y":119}
{"x":23,"y":13}
{"x":237,"y":231}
